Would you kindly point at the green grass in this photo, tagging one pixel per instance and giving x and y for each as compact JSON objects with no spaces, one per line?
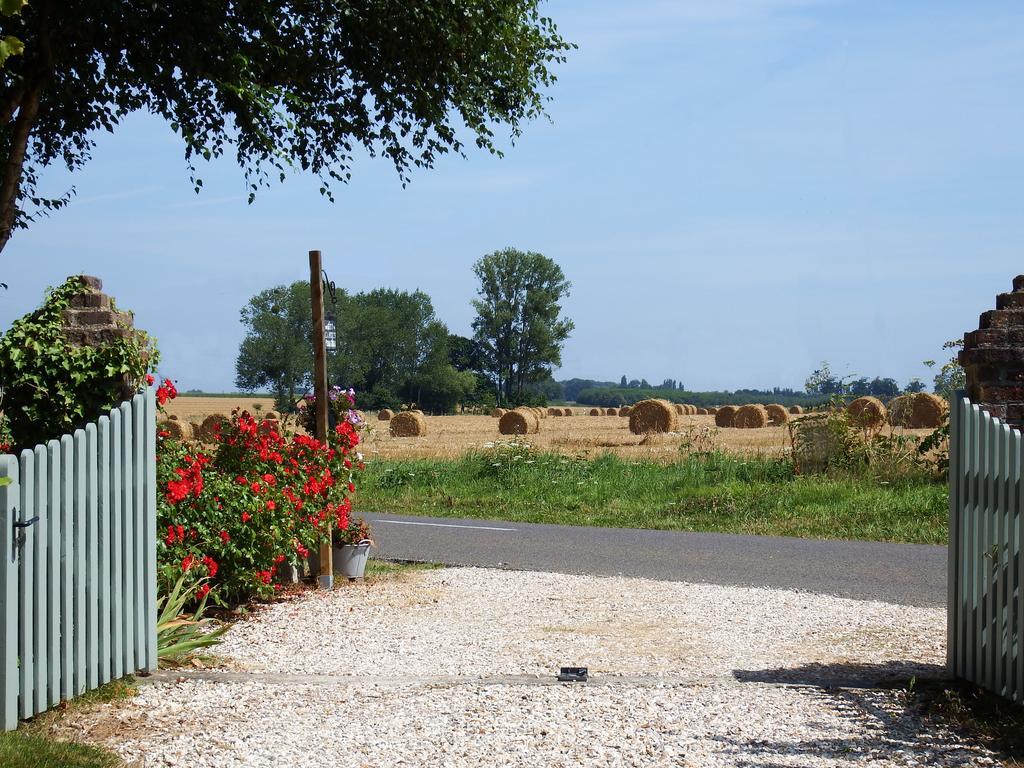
{"x":386,"y":570}
{"x":31,"y":747}
{"x":716,"y":492}
{"x":23,"y":750}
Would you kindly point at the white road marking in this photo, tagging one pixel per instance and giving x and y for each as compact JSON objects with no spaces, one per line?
{"x":445,"y":525}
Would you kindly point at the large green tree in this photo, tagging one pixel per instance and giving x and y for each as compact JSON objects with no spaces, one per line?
{"x":390,"y":347}
{"x":280,"y":84}
{"x":384,"y":335}
{"x":277,"y":352}
{"x":519,"y":324}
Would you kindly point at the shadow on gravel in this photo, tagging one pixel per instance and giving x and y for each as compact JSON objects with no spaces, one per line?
{"x":884,"y":725}
{"x":887,"y":675}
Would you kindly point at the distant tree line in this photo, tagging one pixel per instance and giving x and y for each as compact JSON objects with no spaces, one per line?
{"x":819,"y":388}
{"x":394,"y":351}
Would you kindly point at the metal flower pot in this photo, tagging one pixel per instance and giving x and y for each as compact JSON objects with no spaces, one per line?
{"x":350,"y":559}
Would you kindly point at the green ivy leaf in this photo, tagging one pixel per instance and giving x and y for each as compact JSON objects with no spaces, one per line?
{"x":10,"y":46}
{"x":12,"y":7}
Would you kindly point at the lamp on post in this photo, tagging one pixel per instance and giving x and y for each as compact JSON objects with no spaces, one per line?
{"x":330,"y":334}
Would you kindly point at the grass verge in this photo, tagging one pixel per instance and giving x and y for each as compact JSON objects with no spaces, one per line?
{"x":710,"y":492}
{"x":33,"y":746}
{"x":24,"y":750}
{"x":394,"y":570}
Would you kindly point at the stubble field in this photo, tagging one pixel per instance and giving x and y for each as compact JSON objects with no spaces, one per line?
{"x":450,"y":437}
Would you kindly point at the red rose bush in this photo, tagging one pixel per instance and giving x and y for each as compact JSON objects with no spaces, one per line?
{"x":255,"y":504}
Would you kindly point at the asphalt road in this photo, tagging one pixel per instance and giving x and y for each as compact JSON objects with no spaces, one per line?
{"x":906,"y":574}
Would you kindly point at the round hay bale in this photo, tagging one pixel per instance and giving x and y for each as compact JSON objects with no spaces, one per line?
{"x":568,"y":412}
{"x":725,"y":415}
{"x":796,"y":410}
{"x":497,"y":413}
{"x":753,"y":416}
{"x":777,"y":414}
{"x":927,"y":410}
{"x":624,"y":410}
{"x":867,"y":412}
{"x":210,"y":428}
{"x":176,"y":430}
{"x":551,"y":412}
{"x":541,"y":413}
{"x":408,"y":424}
{"x":272,"y":415}
{"x":611,"y":412}
{"x":521,"y":421}
{"x":702,"y":411}
{"x":900,"y":410}
{"x":595,"y":411}
{"x":385,"y":414}
{"x":652,"y":416}
{"x":712,"y":411}
{"x":679,"y":408}
{"x":418,"y":411}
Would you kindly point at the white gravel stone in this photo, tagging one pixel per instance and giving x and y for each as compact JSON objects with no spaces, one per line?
{"x":474,"y":621}
{"x":684,"y":675}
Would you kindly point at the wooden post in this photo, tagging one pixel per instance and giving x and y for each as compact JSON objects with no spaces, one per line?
{"x":316,"y":291}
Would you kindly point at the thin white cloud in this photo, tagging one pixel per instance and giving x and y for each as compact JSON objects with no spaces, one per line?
{"x":202,"y":202}
{"x":128,"y":194}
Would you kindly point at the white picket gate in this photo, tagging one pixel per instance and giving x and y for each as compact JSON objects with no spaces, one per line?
{"x":78,"y":572}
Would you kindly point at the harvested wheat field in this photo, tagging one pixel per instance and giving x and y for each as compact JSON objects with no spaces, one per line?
{"x":451,"y":436}
{"x":195,"y":409}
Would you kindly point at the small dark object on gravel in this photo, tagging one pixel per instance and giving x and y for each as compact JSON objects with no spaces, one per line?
{"x":573,"y":675}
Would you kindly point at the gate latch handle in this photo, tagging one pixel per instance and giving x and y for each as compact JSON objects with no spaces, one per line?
{"x":18,"y":535}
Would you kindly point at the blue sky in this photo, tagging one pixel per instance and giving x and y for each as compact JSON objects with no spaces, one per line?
{"x":737,"y":191}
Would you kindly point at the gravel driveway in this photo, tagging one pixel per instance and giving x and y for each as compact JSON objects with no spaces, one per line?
{"x":454,"y":667}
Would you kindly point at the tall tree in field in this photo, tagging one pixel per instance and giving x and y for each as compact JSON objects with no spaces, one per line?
{"x":519,"y":325}
{"x":387,"y":339}
{"x":282,"y":85}
{"x":276,"y":353}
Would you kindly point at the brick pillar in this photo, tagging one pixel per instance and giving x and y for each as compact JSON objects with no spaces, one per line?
{"x":92,"y":320}
{"x":993,"y":358}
